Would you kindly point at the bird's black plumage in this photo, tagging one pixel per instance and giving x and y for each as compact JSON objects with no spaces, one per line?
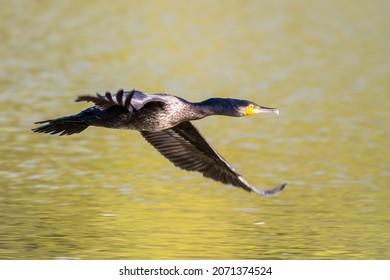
{"x":165,"y":122}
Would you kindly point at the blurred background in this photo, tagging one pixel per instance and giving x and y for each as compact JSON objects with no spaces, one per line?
{"x":106,"y":194}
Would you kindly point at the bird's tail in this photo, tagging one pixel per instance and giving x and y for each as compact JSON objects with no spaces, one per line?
{"x":66,"y":125}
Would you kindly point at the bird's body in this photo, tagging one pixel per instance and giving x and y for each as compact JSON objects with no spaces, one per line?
{"x":165,"y":122}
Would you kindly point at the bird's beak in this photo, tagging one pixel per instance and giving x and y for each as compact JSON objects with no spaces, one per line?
{"x":261,"y":109}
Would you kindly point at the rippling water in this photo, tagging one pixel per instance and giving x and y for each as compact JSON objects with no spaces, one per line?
{"x":107,"y":194}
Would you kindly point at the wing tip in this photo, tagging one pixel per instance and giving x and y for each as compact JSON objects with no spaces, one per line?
{"x":271,"y":192}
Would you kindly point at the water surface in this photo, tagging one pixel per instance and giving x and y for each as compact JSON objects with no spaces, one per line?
{"x":107,"y":194}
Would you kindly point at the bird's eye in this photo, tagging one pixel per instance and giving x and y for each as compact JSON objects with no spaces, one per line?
{"x":250,"y":106}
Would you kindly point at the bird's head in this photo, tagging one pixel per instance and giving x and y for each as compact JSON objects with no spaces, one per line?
{"x":232,"y":107}
{"x":245,"y":108}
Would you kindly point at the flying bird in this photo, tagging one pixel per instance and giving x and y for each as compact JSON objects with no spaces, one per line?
{"x":165,"y":122}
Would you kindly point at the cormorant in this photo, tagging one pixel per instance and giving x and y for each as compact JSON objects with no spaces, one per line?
{"x":165,"y":122}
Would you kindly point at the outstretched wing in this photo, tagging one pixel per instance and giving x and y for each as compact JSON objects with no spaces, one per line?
{"x":186,"y":148}
{"x":130,"y":100}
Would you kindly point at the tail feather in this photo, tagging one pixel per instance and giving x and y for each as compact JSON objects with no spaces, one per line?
{"x":60,"y":126}
{"x":66,"y":125}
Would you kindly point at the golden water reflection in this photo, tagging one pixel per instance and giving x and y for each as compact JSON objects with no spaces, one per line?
{"x":108,"y":195}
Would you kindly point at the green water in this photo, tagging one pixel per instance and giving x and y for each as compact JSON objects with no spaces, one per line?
{"x":106,"y":194}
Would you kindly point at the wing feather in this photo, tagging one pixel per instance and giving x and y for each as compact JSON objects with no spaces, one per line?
{"x":186,"y":148}
{"x":130,"y":100}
